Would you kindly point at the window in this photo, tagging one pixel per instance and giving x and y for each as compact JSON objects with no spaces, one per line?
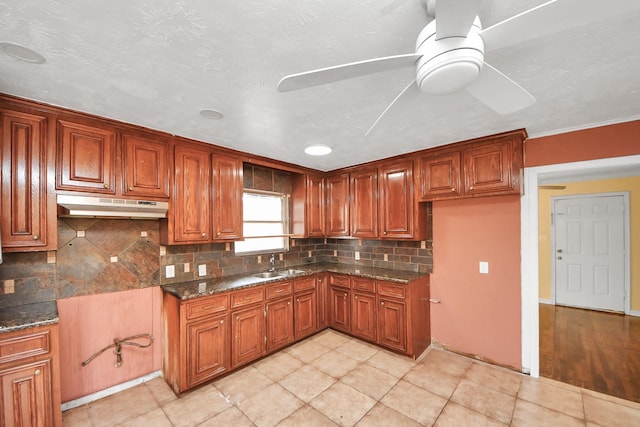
{"x":265,"y":222}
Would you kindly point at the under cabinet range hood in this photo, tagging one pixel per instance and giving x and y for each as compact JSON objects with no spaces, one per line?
{"x":105,"y":207}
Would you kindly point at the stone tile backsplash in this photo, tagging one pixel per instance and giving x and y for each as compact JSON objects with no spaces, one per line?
{"x":102,"y":255}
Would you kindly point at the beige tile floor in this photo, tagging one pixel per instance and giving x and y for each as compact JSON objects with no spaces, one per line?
{"x":331,"y":379}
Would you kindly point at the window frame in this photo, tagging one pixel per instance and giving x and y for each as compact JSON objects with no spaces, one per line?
{"x":286,"y":223}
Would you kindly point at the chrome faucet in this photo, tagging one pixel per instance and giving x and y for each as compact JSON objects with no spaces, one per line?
{"x":272,"y":261}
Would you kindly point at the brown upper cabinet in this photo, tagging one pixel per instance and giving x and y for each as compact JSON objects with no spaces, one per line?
{"x":315,"y":206}
{"x":364,"y":203}
{"x":90,"y":159}
{"x":28,"y":213}
{"x":227,"y":203}
{"x":338,"y":221}
{"x":189,"y":219}
{"x":482,"y":167}
{"x":206,"y":202}
{"x":145,"y":166}
{"x":86,"y":158}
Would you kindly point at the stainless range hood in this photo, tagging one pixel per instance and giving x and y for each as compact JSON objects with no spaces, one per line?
{"x":106,"y":207}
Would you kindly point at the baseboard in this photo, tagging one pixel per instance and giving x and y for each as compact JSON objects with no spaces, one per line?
{"x":545,"y":301}
{"x":633,"y":313}
{"x":109,"y":391}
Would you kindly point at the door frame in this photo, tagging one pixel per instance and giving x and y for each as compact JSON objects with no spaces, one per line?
{"x":626,"y":222}
{"x":529,"y":279}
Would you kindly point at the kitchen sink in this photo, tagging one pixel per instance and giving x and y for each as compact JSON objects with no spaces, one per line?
{"x":279,"y":273}
{"x":268,"y":274}
{"x":290,"y":272}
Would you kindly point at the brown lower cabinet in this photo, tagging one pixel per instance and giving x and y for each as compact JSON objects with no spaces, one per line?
{"x":208,"y":336}
{"x":29,"y":378}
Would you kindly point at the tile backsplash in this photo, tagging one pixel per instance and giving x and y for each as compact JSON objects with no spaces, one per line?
{"x":102,"y":255}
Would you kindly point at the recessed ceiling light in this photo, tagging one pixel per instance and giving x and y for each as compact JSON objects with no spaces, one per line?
{"x":22,"y":53}
{"x":317,"y":150}
{"x":211,"y":114}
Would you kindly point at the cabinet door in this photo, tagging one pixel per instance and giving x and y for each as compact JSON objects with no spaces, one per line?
{"x":305,"y":314}
{"x":26,"y":395}
{"x":192,"y":195}
{"x":146,"y":166}
{"x":24,"y":212}
{"x":363,"y":316}
{"x":488,"y":168}
{"x":227,"y":206}
{"x":338,"y":205}
{"x":364,"y":204}
{"x":279,"y":324}
{"x":206,"y":349}
{"x":248,"y":335}
{"x":86,"y":158}
{"x":439,"y":176}
{"x":315,"y":206}
{"x":323,"y":301}
{"x":396,"y":200}
{"x":340,"y":309}
{"x":392,"y":324}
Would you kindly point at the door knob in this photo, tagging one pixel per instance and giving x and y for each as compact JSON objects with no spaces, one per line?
{"x":559,"y":251}
{"x":559,"y":257}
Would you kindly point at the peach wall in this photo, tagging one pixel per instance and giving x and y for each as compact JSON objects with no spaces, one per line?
{"x":479,"y":314}
{"x":622,"y":139}
{"x":89,"y":323}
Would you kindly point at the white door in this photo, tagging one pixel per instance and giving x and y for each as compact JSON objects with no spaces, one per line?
{"x":589,"y":253}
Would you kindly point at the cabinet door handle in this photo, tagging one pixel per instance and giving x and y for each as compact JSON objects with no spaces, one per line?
{"x":453,"y":190}
{"x":471,"y":187}
{"x":221,"y":322}
{"x":37,"y":372}
{"x":384,"y":232}
{"x":130,"y":188}
{"x":355,"y":297}
{"x":382,"y":303}
{"x":298,"y":299}
{"x":204,"y":234}
{"x":289,"y":302}
{"x":237,"y":317}
{"x":105,"y":185}
{"x":36,"y":237}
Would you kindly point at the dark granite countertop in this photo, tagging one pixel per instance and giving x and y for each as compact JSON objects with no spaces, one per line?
{"x":28,"y":315}
{"x":199,"y":288}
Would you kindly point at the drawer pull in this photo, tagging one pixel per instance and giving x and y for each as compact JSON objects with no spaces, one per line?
{"x":434,"y":301}
{"x":247,"y":298}
{"x":279,"y":290}
{"x":208,"y":307}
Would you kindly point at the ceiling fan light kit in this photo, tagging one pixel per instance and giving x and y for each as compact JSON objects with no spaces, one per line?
{"x":317,"y":150}
{"x":449,"y":64}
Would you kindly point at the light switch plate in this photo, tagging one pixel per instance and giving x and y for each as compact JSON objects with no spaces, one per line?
{"x":170,"y":271}
{"x":202,"y":270}
{"x":484,"y":267}
{"x":357,"y":255}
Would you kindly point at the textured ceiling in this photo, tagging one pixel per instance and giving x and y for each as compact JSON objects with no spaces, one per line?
{"x":157,"y":63}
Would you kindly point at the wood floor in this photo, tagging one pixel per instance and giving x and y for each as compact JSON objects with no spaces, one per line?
{"x":591,"y":349}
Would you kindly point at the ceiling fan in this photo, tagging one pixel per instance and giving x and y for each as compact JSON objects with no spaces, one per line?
{"x":450,"y":50}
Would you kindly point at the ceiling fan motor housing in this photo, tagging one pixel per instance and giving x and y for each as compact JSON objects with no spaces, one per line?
{"x":448,"y":64}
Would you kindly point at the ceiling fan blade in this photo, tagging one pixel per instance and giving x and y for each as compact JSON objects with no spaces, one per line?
{"x":408,"y":93}
{"x":455,"y":17}
{"x":345,"y":71}
{"x":499,"y":92}
{"x":551,"y":17}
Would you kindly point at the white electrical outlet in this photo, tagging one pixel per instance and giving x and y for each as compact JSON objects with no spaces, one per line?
{"x":170,"y":271}
{"x":357,"y":256}
{"x":187,"y":267}
{"x":202,"y":270}
{"x":484,"y":267}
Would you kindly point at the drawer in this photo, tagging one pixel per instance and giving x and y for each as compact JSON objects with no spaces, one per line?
{"x":23,"y":346}
{"x":366,"y":285}
{"x":339,"y":280}
{"x":246,"y":297}
{"x":392,"y":290}
{"x":207,"y":305}
{"x":278,"y":290}
{"x":304,"y":284}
